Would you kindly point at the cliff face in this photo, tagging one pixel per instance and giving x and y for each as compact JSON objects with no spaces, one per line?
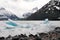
{"x":52,"y":12}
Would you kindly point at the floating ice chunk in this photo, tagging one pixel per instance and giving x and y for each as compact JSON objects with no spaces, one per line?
{"x":11,"y":23}
{"x":46,"y":21}
{"x":9,"y":28}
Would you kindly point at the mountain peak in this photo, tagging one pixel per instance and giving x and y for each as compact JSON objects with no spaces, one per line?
{"x":5,"y":14}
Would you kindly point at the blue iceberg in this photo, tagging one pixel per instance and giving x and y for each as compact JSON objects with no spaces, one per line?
{"x":11,"y":23}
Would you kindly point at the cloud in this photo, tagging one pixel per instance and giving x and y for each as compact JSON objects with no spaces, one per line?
{"x":19,"y":7}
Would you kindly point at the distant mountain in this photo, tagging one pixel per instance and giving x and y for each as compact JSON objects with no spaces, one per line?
{"x":50,"y":11}
{"x":5,"y":15}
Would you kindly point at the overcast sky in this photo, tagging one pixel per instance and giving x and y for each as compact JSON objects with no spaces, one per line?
{"x":20,"y":7}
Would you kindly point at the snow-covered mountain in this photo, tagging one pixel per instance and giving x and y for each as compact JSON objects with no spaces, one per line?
{"x":50,"y":11}
{"x":32,"y":10}
{"x":5,"y":15}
